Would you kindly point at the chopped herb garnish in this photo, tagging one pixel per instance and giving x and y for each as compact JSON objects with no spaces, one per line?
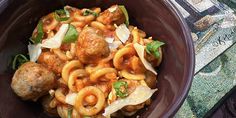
{"x":69,"y":114}
{"x":121,"y":88}
{"x":61,"y":15}
{"x":71,"y":35}
{"x":88,"y":12}
{"x":18,"y":60}
{"x":152,"y":48}
{"x":40,"y":33}
{"x":122,"y":7}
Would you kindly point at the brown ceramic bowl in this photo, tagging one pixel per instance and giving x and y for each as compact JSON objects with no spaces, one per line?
{"x":156,"y":17}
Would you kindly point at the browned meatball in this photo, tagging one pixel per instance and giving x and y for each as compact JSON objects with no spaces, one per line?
{"x":51,"y":61}
{"x":32,"y":81}
{"x":91,"y":46}
{"x":115,"y":17}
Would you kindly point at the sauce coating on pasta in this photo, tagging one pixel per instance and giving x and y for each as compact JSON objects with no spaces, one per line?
{"x":98,"y":61}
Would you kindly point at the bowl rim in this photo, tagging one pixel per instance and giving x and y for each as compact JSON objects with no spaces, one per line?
{"x":188,"y":73}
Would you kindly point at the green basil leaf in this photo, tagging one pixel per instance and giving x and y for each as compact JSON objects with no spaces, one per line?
{"x":61,"y":15}
{"x":18,"y":60}
{"x":157,"y":44}
{"x":149,"y":48}
{"x":156,"y":54}
{"x":88,"y":12}
{"x":153,"y":48}
{"x":71,"y":35}
{"x":121,"y":88}
{"x":40,"y":33}
{"x":122,"y":7}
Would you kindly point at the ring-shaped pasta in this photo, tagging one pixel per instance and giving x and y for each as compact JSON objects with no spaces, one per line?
{"x":85,"y":19}
{"x":78,"y":24}
{"x":53,"y":103}
{"x":97,"y":10}
{"x":118,"y":58}
{"x":111,"y":96}
{"x":73,"y":49}
{"x":94,"y":76}
{"x":73,"y":76}
{"x":136,"y":37}
{"x":130,"y":76}
{"x":68,"y":67}
{"x":91,"y":110}
{"x":50,"y":23}
{"x":60,"y":54}
{"x":59,"y":95}
{"x":98,"y":25}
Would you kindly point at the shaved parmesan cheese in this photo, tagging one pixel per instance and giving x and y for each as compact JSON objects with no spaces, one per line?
{"x":114,"y":45}
{"x":70,"y":98}
{"x":55,"y":42}
{"x":140,"y":51}
{"x":34,"y":52}
{"x":109,"y":39}
{"x":112,"y":9}
{"x":51,"y":92}
{"x":140,"y":95}
{"x":122,"y":32}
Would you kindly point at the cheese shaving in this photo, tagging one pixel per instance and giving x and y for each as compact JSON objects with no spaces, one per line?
{"x":34,"y":52}
{"x":122,"y":32}
{"x":70,"y":98}
{"x":56,"y":41}
{"x":112,"y":9}
{"x":114,"y":45}
{"x":140,"y":51}
{"x":140,"y":95}
{"x":109,"y":39}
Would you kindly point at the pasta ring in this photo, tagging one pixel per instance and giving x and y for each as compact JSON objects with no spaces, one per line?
{"x":60,"y":54}
{"x":120,"y":53}
{"x":98,"y":25}
{"x":127,"y":75}
{"x":59,"y":95}
{"x":68,"y":67}
{"x":49,"y":26}
{"x":96,"y":74}
{"x":80,"y":99}
{"x":73,"y":76}
{"x":136,"y":37}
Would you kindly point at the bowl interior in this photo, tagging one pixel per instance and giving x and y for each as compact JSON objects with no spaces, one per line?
{"x":156,"y":17}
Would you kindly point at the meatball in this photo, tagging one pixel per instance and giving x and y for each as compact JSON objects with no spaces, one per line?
{"x":51,"y":61}
{"x":110,"y":17}
{"x":91,"y":46}
{"x":32,"y":81}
